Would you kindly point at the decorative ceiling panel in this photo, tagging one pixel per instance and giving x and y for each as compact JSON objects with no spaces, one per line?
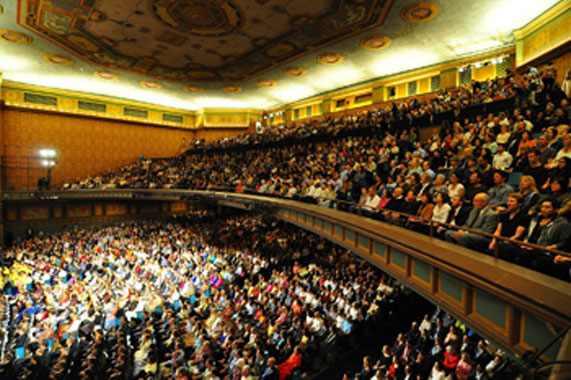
{"x":198,"y":40}
{"x":258,"y":54}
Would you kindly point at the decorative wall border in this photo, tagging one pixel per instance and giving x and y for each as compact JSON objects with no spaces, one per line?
{"x":544,"y":34}
{"x":68,"y":102}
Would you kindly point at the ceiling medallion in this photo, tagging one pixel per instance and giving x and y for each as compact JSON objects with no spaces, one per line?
{"x":330,"y":58}
{"x":199,"y":17}
{"x":14,"y":37}
{"x":266,"y":83}
{"x":193,"y":89}
{"x":57,"y":59}
{"x":420,"y":12}
{"x":151,"y":84}
{"x":231,"y":88}
{"x":294,"y":71}
{"x":107,"y":75}
{"x":375,"y":42}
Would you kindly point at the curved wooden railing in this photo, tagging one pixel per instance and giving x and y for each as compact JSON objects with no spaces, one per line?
{"x":159,"y":194}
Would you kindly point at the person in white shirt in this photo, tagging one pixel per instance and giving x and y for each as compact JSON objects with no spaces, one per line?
{"x":441,"y":209}
{"x":425,"y":324}
{"x":503,"y":159}
{"x":372,"y":202}
{"x":437,"y":372}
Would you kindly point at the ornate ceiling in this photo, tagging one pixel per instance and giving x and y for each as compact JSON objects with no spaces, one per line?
{"x":202,"y":40}
{"x":262,"y":53}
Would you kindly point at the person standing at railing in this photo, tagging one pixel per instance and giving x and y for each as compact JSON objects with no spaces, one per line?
{"x":481,"y":218}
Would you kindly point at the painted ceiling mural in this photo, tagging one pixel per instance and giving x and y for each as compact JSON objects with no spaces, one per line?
{"x":260,"y":54}
{"x":198,"y":40}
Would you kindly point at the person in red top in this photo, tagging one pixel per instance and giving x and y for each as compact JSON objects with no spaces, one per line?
{"x":450,"y":359}
{"x":293,"y":362}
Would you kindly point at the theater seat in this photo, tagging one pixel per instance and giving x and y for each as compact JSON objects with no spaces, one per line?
{"x":513,"y":179}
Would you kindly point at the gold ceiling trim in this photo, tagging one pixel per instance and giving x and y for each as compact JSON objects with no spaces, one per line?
{"x":420,"y":12}
{"x":106,"y":75}
{"x":93,"y":97}
{"x":58,"y":59}
{"x":193,"y":89}
{"x":375,"y":42}
{"x":15,"y":37}
{"x":151,"y":84}
{"x":266,"y":83}
{"x":231,"y":88}
{"x":330,"y":58}
{"x":401,"y":78}
{"x":542,"y":19}
{"x":294,"y":71}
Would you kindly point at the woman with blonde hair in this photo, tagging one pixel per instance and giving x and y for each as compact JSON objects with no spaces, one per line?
{"x":563,"y":152}
{"x":528,"y":190}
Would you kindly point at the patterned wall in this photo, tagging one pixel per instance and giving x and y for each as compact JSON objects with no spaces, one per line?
{"x":531,"y":45}
{"x":86,"y":146}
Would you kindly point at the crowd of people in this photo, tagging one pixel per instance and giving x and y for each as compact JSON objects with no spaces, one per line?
{"x":436,"y":348}
{"x":506,"y":173}
{"x":208,"y":297}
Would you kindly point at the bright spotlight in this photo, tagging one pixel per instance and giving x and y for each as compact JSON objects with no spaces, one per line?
{"x":47,"y":153}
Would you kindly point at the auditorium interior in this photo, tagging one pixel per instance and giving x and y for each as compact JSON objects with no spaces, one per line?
{"x":277,"y":190}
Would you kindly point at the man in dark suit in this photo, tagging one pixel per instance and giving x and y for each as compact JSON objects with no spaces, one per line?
{"x":439,"y":331}
{"x":481,"y":218}
{"x":481,"y":355}
{"x":457,"y":216}
{"x":460,"y":211}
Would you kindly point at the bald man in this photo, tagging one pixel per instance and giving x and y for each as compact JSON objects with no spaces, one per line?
{"x":481,"y":218}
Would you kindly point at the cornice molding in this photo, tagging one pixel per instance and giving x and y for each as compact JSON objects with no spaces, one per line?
{"x":541,"y":20}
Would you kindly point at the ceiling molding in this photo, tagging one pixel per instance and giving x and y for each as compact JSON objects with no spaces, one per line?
{"x":401,"y":78}
{"x":542,"y":19}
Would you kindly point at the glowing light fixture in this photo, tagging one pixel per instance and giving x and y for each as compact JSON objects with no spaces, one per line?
{"x":47,"y":153}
